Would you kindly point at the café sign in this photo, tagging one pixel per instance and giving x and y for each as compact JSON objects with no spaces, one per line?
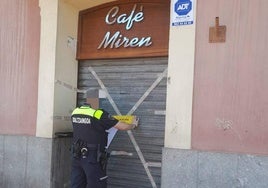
{"x":118,"y":39}
{"x":124,"y":29}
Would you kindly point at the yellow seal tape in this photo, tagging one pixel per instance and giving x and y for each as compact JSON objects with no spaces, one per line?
{"x":125,"y":118}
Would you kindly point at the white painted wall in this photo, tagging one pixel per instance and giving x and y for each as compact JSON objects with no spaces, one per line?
{"x":66,"y":67}
{"x":49,"y":15}
{"x":57,"y":64}
{"x":84,"y":4}
{"x":180,"y":85}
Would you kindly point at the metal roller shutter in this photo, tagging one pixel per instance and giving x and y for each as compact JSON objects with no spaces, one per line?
{"x":126,"y":81}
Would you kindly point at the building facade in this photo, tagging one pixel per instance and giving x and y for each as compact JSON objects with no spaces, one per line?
{"x":194,"y":71}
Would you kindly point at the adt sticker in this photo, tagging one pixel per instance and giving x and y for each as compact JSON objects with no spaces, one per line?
{"x":182,"y":12}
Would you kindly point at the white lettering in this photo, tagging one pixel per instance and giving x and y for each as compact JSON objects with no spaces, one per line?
{"x":117,"y":40}
{"x":183,"y":6}
{"x":114,"y":12}
{"x":81,"y":120}
{"x":124,"y":18}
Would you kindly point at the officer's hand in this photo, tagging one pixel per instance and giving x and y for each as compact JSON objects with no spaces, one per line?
{"x":135,"y":122}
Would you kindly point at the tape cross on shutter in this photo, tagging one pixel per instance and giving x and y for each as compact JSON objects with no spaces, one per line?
{"x":113,"y":131}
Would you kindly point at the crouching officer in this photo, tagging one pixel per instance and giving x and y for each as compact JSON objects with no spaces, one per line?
{"x":89,"y":142}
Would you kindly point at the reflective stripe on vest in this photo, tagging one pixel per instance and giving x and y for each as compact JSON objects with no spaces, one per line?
{"x":84,"y":110}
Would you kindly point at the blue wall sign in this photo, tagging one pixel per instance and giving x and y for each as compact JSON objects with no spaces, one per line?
{"x":183,"y":7}
{"x":182,"y":12}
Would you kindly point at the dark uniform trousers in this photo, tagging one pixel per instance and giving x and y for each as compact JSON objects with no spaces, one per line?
{"x":89,"y":140}
{"x":87,"y":174}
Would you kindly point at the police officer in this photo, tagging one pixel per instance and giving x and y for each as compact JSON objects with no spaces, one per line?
{"x":89,"y":142}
